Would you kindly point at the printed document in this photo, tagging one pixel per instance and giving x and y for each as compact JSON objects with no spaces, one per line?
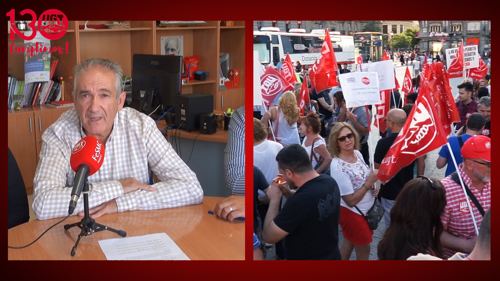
{"x":157,"y":246}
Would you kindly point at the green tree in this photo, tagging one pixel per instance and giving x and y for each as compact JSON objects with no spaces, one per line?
{"x":372,"y":26}
{"x":400,"y":41}
{"x":412,"y":34}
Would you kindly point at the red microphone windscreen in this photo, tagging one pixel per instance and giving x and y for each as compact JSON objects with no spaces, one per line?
{"x":88,"y":151}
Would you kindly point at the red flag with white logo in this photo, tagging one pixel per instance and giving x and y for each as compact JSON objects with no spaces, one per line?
{"x":456,"y":69}
{"x":407,"y":82}
{"x":382,"y":110}
{"x":479,"y":72}
{"x":272,"y":84}
{"x":304,"y":97}
{"x":326,"y":76}
{"x":443,"y":98}
{"x":421,"y":134}
{"x":288,"y":71}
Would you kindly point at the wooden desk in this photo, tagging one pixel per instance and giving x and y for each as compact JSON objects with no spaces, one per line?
{"x":200,"y":236}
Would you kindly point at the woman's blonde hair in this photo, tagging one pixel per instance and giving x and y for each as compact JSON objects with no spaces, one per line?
{"x":288,"y":104}
{"x":334,"y":135}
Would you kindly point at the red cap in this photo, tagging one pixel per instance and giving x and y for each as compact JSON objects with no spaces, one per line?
{"x":88,"y":151}
{"x":477,"y":147}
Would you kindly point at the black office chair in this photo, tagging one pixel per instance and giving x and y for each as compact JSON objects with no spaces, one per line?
{"x":19,"y":212}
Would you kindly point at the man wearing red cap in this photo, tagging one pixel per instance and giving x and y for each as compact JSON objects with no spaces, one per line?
{"x":459,"y":232}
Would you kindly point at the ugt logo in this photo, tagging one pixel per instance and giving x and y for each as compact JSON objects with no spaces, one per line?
{"x":52,"y":24}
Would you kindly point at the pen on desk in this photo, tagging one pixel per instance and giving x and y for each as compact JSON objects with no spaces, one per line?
{"x":240,"y":219}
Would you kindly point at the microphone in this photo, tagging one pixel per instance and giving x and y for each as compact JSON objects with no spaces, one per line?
{"x":86,"y":159}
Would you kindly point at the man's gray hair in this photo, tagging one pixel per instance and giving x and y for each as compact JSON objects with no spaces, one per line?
{"x":107,"y":64}
{"x":485,"y":101}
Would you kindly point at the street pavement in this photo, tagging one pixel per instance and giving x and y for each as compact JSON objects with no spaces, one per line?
{"x":430,"y":171}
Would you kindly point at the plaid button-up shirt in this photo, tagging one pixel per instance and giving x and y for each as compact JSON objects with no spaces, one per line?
{"x":134,"y":147}
{"x":465,"y":110}
{"x":456,"y":218}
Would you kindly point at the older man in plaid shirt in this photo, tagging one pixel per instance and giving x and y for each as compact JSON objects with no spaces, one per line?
{"x":134,"y":147}
{"x":459,"y":232}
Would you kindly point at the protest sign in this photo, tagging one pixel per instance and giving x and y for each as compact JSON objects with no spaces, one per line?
{"x":385,"y":71}
{"x":257,"y":72}
{"x":471,"y":57}
{"x":360,"y":88}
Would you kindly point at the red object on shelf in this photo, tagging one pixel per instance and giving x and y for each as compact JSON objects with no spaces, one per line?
{"x":234,"y":75}
{"x":228,"y":84}
{"x":94,"y":26}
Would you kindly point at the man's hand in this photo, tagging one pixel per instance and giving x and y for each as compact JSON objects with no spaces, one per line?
{"x":105,"y":208}
{"x":284,"y":187}
{"x":350,"y":116}
{"x":230,"y":208}
{"x":273,"y":192}
{"x":131,"y":184}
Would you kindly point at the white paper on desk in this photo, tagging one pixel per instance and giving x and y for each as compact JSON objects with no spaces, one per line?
{"x":158,"y":246}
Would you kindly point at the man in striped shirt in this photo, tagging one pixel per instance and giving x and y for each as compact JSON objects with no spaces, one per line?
{"x":459,"y":232}
{"x":134,"y":146}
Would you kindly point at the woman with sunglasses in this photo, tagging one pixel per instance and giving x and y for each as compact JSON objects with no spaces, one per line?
{"x":415,"y":221}
{"x":355,"y":181}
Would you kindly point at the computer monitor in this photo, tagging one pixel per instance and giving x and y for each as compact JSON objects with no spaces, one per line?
{"x":156,"y":81}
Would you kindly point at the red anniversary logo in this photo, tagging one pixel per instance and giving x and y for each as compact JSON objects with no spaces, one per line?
{"x":79,"y":146}
{"x":52,"y":24}
{"x":365,"y":80}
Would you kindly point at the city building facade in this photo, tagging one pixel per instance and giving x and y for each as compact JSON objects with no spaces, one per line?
{"x":437,"y":36}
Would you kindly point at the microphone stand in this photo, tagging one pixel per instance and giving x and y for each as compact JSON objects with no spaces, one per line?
{"x":88,"y":224}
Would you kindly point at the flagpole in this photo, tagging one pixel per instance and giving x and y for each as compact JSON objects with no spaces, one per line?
{"x":269,"y":120}
{"x":463,"y":61}
{"x":393,"y":98}
{"x":463,"y":187}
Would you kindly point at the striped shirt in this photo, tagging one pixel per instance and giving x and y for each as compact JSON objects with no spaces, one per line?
{"x":234,"y":153}
{"x":134,"y":147}
{"x":456,"y":218}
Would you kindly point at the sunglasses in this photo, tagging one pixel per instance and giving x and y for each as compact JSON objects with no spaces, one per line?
{"x":429,"y":180}
{"x":350,"y":136}
{"x":488,"y":164}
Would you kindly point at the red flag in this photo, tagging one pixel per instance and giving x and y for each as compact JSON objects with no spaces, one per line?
{"x":396,"y":81}
{"x":288,"y":71}
{"x":479,"y":72}
{"x":272,"y":85}
{"x":443,"y":98}
{"x":326,"y":76}
{"x":382,"y":109}
{"x":385,"y":56}
{"x":304,"y":97}
{"x":407,"y":82}
{"x":457,"y":65}
{"x":421,"y":134}
{"x":426,"y":73}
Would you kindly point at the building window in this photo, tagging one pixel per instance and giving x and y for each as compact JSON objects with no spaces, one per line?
{"x":435,"y":28}
{"x":401,"y":29}
{"x":473,"y":27}
{"x":384,"y":29}
{"x":456,"y":28}
{"x":395,"y":29}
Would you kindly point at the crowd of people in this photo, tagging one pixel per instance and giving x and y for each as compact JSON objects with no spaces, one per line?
{"x":313,"y":180}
